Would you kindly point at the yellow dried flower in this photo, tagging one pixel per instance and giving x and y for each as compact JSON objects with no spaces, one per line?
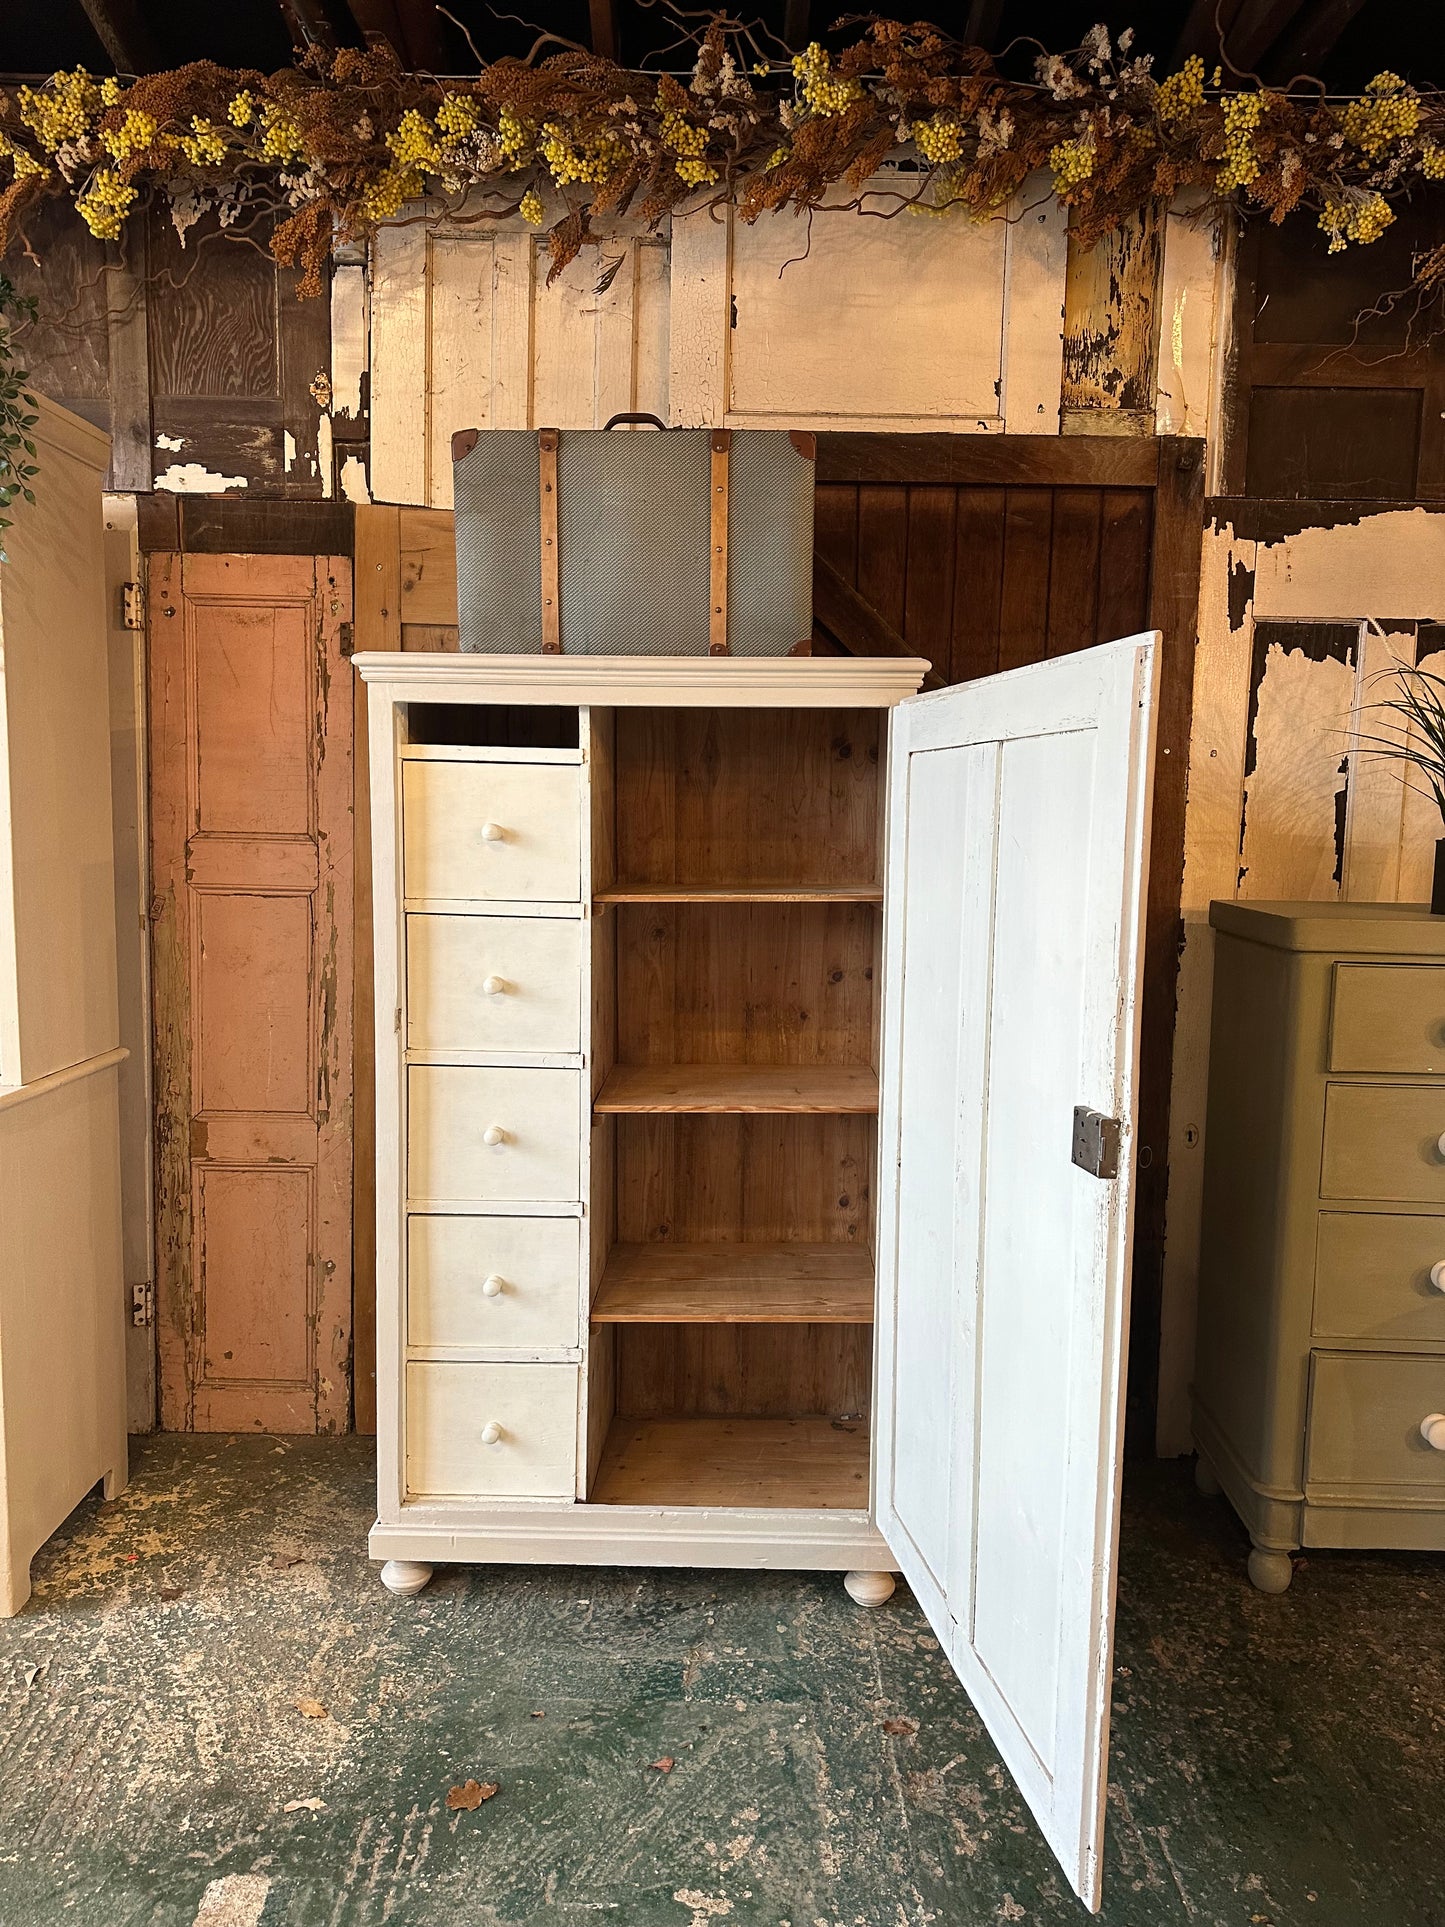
{"x":390,"y":191}
{"x":61,"y":112}
{"x":531,"y":209}
{"x":281,"y":138}
{"x":1432,"y":161}
{"x":205,"y":145}
{"x":1181,"y":93}
{"x":1072,"y":163}
{"x":1389,"y":110}
{"x":514,"y":137}
{"x":823,"y":92}
{"x":105,"y":203}
{"x":242,"y":109}
{"x":414,"y":142}
{"x":458,"y":114}
{"x":1355,"y":215}
{"x":1240,"y":166}
{"x":940,"y":140}
{"x":133,"y":136}
{"x":25,"y":164}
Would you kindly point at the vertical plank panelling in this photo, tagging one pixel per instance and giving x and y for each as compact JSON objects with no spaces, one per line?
{"x":1375,"y":795}
{"x":835,"y":527}
{"x":1193,"y":303}
{"x":1074,"y":570}
{"x":928,"y":599}
{"x":883,"y":550}
{"x":977,"y":583}
{"x":1302,"y":690}
{"x":1125,"y":524}
{"x":460,"y":272}
{"x":699,"y":321}
{"x":1024,"y":602}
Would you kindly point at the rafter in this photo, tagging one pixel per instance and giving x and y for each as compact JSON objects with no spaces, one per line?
{"x":308,"y":23}
{"x":795,"y":24}
{"x":129,"y":43}
{"x":602,"y":19}
{"x":1310,"y":42}
{"x":981,"y":27}
{"x":1206,"y":23}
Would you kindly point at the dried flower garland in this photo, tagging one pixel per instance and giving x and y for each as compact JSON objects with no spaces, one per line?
{"x":342,"y":142}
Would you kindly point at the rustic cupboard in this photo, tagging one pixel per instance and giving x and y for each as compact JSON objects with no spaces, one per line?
{"x":62,"y":1330}
{"x":756,"y":1052}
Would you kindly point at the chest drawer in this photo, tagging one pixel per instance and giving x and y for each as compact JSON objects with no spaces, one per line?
{"x":1372,"y":1277}
{"x":503,"y":1283}
{"x":492,"y":830}
{"x":1388,"y":1017}
{"x":493,"y":983}
{"x":1364,"y":1424}
{"x":532,"y":1116}
{"x":491,"y":1431}
{"x":1383,"y":1141}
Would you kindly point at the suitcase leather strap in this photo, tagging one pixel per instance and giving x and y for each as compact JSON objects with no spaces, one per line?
{"x":717,"y":596}
{"x":551,"y":570}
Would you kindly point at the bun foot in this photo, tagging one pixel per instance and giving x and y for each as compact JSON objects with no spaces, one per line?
{"x":404,"y":1576}
{"x":869,"y":1588}
{"x":1270,"y":1570}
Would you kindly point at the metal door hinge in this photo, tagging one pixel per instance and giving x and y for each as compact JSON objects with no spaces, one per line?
{"x":143,"y":1304}
{"x":132,"y":606}
{"x":1096,"y":1142}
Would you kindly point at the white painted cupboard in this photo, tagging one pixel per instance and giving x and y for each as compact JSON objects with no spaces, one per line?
{"x":750,"y":1040}
{"x":62,"y":1318}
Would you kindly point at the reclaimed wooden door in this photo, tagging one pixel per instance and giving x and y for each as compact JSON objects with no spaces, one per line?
{"x":251,"y":892}
{"x":1011,"y":979}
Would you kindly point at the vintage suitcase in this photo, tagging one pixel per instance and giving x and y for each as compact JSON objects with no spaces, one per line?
{"x":692,"y":541}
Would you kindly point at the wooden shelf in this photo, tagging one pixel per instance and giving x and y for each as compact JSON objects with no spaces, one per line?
{"x":736,"y":1284}
{"x":741,"y":893}
{"x":828,"y":1089}
{"x":798,"y":1462}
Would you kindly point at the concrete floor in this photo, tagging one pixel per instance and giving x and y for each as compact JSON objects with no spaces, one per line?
{"x":1276,"y":1761}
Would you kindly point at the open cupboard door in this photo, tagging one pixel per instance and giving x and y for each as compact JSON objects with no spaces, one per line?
{"x":1018,"y":832}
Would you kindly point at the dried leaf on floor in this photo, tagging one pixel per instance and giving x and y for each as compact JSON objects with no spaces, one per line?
{"x":467,"y":1797}
{"x":538,"y":1716}
{"x":171,"y":1592}
{"x":313,"y":1804}
{"x":664,"y":1765}
{"x":283,"y":1559}
{"x":313,"y":1709}
{"x":901,"y":1727}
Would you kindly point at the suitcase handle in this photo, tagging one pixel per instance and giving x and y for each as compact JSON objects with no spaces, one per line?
{"x":638,"y":421}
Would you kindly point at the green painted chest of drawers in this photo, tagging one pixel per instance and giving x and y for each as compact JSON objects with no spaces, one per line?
{"x":1320,"y":1369}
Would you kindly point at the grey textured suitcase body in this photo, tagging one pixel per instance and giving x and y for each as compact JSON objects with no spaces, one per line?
{"x":691,"y":541}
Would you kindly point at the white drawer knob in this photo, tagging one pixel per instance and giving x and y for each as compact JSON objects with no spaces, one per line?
{"x":491,"y":1286}
{"x":494,"y":1134}
{"x":495,"y":986}
{"x":491,"y":1432}
{"x":1432,"y":1430}
{"x":1437,"y":1274}
{"x":492,"y":833}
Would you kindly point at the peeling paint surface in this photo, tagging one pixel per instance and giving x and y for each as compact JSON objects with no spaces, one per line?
{"x":193,"y":478}
{"x":1272,"y":1756}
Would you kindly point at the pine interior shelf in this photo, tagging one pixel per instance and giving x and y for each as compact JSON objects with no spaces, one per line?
{"x":741,"y":893}
{"x":736,"y":1284}
{"x":824,"y":1089}
{"x":802,"y":1462}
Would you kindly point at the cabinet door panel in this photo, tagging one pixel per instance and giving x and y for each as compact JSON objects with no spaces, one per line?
{"x":1017,"y":849}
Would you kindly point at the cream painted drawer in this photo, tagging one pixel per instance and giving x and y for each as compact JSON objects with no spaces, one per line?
{"x":493,"y":983}
{"x":1388,"y":1017}
{"x":491,"y":1431}
{"x":1364,"y":1424}
{"x":492,"y":830}
{"x":505,"y":1283}
{"x":1383,"y":1141}
{"x":1372,"y":1277}
{"x":533,"y":1115}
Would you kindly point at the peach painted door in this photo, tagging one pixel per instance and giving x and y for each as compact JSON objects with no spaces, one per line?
{"x":251,"y":722}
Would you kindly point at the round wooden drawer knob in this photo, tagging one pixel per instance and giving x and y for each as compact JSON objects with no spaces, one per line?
{"x":1432,"y":1430}
{"x":492,"y":833}
{"x":492,"y":1432}
{"x":491,"y":1286}
{"x":494,"y":1134}
{"x":1437,"y":1274}
{"x":495,"y":986}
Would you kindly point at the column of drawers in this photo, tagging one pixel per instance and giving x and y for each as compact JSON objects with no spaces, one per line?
{"x":493,"y":1015}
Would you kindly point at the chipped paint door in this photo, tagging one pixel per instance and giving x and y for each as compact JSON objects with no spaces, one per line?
{"x":250,"y":721}
{"x":1017,"y":851}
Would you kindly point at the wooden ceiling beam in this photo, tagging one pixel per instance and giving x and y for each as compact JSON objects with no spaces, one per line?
{"x":1206,"y":23}
{"x":309,"y":24}
{"x":796,"y":24}
{"x":129,"y":44}
{"x":980,"y":29}
{"x":1257,"y":27}
{"x":602,"y":22}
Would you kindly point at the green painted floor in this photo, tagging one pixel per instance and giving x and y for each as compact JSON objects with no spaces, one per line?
{"x":1276,"y":1761}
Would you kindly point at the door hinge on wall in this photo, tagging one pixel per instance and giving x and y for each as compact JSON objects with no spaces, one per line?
{"x":132,"y":606}
{"x":143,"y":1304}
{"x":1096,"y":1142}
